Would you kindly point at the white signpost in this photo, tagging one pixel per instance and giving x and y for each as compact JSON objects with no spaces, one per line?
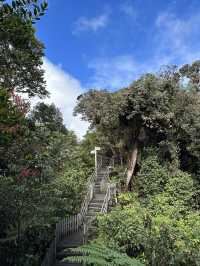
{"x":95,"y":157}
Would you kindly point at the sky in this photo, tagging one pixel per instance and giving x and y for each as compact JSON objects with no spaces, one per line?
{"x":106,"y":44}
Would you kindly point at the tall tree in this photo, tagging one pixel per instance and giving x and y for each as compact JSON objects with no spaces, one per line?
{"x":48,"y":116}
{"x":20,"y":52}
{"x":143,"y":114}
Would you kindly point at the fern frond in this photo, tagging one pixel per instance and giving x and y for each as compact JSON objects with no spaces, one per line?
{"x":99,"y":255}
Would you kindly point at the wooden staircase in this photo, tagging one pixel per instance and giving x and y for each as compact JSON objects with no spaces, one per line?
{"x":77,"y":239}
{"x":63,"y":249}
{"x":78,"y":229}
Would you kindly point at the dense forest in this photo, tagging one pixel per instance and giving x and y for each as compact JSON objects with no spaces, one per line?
{"x":150,"y":129}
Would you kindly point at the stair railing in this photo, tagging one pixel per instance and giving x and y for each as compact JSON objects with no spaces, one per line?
{"x":72,"y":224}
{"x":106,"y":163}
{"x":110,"y":191}
{"x":88,"y":197}
{"x":64,"y":228}
{"x":104,"y":208}
{"x":90,"y":190}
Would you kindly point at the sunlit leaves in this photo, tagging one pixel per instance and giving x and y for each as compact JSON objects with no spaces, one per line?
{"x":30,"y":10}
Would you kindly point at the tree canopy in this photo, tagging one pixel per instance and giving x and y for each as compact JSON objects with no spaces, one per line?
{"x":21,"y":54}
{"x":153,"y":110}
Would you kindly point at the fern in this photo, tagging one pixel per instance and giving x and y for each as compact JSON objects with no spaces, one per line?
{"x":98,"y":255}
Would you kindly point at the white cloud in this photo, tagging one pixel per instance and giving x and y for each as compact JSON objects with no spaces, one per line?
{"x":117,"y":72}
{"x":176,"y":41}
{"x":64,"y":90}
{"x":128,"y":9}
{"x":178,"y":38}
{"x":114,"y":72}
{"x":91,"y":24}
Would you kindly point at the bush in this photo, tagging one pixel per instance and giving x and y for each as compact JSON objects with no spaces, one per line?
{"x":163,"y":230}
{"x":173,"y":242}
{"x":29,"y":251}
{"x":151,"y":178}
{"x":125,"y":226}
{"x":180,"y":186}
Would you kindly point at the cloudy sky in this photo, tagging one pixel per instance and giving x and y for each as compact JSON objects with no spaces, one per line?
{"x":109,"y":43}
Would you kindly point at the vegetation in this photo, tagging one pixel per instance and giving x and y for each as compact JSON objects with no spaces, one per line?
{"x":151,"y":128}
{"x":98,"y":255}
{"x":43,"y":167}
{"x":161,"y":230}
{"x":20,"y":51}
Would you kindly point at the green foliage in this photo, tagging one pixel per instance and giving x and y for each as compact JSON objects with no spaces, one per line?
{"x":187,"y":135}
{"x":125,"y":199}
{"x":20,"y":55}
{"x":161,"y":226}
{"x":155,"y":111}
{"x":192,"y":73}
{"x":168,"y":154}
{"x":173,"y":241}
{"x":48,"y":116}
{"x":166,"y":238}
{"x":101,"y":109}
{"x":180,"y":186}
{"x":29,"y":10}
{"x":150,"y":101}
{"x":87,"y":144}
{"x":44,"y":168}
{"x":151,"y":178}
{"x":29,"y":250}
{"x":43,"y":182}
{"x":68,"y":191}
{"x":117,"y":174}
{"x":99,"y":255}
{"x":124,"y":226}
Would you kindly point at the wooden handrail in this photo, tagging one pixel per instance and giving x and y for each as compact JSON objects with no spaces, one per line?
{"x":64,"y":228}
{"x":70,"y":225}
{"x":104,"y":208}
{"x":90,"y":189}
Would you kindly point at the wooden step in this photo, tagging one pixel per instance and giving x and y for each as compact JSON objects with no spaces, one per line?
{"x":72,"y":241}
{"x":100,"y":178}
{"x":97,"y":185}
{"x":95,"y":208}
{"x":66,"y":253}
{"x":92,"y":213}
{"x":63,"y":246}
{"x":98,"y":196}
{"x":102,"y":171}
{"x":95,"y":204}
{"x":97,"y":201}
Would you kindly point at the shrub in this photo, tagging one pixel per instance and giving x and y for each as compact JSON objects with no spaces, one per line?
{"x":151,"y":178}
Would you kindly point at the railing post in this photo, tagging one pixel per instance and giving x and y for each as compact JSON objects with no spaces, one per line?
{"x":91,"y":191}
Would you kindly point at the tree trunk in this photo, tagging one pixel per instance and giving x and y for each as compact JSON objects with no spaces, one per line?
{"x":132,"y":164}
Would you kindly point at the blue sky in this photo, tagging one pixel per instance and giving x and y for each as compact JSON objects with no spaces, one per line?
{"x":107,"y":44}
